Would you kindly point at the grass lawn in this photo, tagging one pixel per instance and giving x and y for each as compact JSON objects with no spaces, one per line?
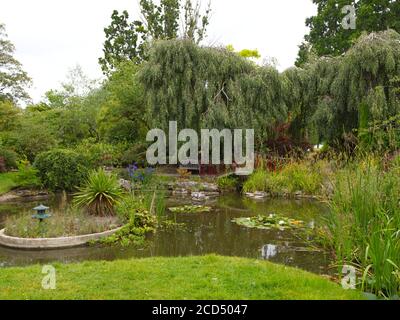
{"x":7,"y":182}
{"x":210,"y":277}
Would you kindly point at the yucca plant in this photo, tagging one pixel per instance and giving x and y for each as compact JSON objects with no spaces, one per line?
{"x":100,"y":193}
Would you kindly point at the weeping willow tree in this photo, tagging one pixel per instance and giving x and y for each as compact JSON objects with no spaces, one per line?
{"x":202,"y":87}
{"x":335,"y":96}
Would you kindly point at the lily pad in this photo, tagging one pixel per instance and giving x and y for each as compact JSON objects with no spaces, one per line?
{"x":272,"y":221}
{"x":190,"y":209}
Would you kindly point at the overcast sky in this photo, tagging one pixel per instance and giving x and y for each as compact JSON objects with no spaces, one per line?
{"x":53,"y":36}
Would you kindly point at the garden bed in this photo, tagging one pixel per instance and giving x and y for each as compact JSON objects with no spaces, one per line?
{"x":52,"y":243}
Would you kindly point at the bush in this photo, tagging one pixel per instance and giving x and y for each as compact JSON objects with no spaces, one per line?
{"x":62,"y":169}
{"x":100,"y":154}
{"x":9,"y":159}
{"x":100,"y":193}
{"x":229,"y":183}
{"x":27,"y":176}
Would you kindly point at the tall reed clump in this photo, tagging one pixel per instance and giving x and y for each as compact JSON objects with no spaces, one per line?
{"x":291,"y":178}
{"x":364,"y":226}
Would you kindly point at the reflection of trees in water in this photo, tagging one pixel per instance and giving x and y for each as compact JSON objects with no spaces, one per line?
{"x":203,"y":233}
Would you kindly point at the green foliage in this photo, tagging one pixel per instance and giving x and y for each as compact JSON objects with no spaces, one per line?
{"x":7,"y":182}
{"x":139,"y":222}
{"x":128,"y":41}
{"x":27,"y":175}
{"x":210,"y":88}
{"x":334,"y":96}
{"x":61,"y":169}
{"x":8,"y":115}
{"x":245,"y":53}
{"x":292,"y":178}
{"x":228,"y":183}
{"x":124,"y":41}
{"x":9,"y":157}
{"x":269,"y":222}
{"x":99,"y":194}
{"x":13,"y":80}
{"x":190,"y":209}
{"x":122,"y":114}
{"x":100,"y":154}
{"x":65,"y":223}
{"x":364,"y":225}
{"x":33,"y":134}
{"x":327,"y":35}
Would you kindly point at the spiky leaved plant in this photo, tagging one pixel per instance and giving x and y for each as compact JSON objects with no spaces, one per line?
{"x":100,"y":193}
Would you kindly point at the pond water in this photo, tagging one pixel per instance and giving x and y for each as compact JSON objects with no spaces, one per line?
{"x":202,"y":233}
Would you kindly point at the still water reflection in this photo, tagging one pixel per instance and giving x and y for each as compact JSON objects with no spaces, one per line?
{"x":205,"y":233}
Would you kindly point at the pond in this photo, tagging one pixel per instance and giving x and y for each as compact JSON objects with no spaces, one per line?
{"x":202,"y":233}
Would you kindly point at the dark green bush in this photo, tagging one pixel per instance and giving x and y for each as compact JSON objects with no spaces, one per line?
{"x":100,"y":154}
{"x":27,"y":176}
{"x":62,"y":169}
{"x":10,"y":158}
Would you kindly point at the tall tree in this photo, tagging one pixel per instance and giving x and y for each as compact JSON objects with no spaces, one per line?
{"x":13,"y":80}
{"x":128,"y":41}
{"x":327,"y":34}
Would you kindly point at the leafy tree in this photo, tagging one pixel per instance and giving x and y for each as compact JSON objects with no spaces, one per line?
{"x":127,"y":40}
{"x":327,"y":35}
{"x":9,"y":114}
{"x":203,"y":87}
{"x":341,"y":94}
{"x":13,"y":80}
{"x":124,"y":41}
{"x":246,"y":53}
{"x":122,"y":114}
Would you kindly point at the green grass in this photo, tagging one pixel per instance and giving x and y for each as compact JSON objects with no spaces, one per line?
{"x":7,"y":182}
{"x":210,"y":277}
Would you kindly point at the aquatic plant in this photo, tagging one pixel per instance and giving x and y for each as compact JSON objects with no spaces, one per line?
{"x":190,"y":209}
{"x":228,"y":183}
{"x":293,"y":177}
{"x":363,"y":228}
{"x":272,"y":221}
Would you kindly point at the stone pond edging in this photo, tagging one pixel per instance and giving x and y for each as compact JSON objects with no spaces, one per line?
{"x":52,"y":243}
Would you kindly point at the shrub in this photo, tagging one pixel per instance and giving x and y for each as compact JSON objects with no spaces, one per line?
{"x":100,"y":154}
{"x":27,"y":176}
{"x":100,"y":193}
{"x":61,"y":169}
{"x":228,"y":183}
{"x":9,"y":159}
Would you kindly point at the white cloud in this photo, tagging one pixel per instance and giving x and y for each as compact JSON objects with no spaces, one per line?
{"x":53,"y":36}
